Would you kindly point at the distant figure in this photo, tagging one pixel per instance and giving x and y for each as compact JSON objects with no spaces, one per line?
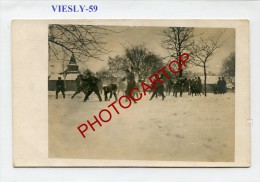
{"x":136,"y":93}
{"x":178,"y":87}
{"x":186,"y":85}
{"x":219,"y":85}
{"x":121,"y":87}
{"x":130,"y":78}
{"x":223,"y":86}
{"x":60,"y":87}
{"x":159,"y":89}
{"x":189,"y":86}
{"x":196,"y":86}
{"x":110,"y":89}
{"x":92,"y":83}
{"x":169,"y":86}
{"x":100,"y":83}
{"x":199,"y":86}
{"x":81,"y":85}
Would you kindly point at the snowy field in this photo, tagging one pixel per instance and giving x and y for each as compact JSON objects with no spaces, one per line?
{"x":176,"y":129}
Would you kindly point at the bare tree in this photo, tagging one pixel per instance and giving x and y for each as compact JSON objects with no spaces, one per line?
{"x":82,"y":41}
{"x":141,"y":61}
{"x":152,"y":64}
{"x":203,"y":52}
{"x":178,"y":40}
{"x":117,"y":66}
{"x":137,"y":58}
{"x":228,"y":68}
{"x":104,"y":74}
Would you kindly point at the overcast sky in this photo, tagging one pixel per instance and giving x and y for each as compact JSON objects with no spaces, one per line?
{"x":151,"y":38}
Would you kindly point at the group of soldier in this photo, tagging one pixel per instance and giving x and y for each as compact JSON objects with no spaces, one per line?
{"x":221,"y":86}
{"x":181,"y":85}
{"x":90,"y":83}
{"x":87,"y":84}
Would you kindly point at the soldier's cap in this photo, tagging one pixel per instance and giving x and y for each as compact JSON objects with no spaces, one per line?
{"x":126,"y":69}
{"x":59,"y":77}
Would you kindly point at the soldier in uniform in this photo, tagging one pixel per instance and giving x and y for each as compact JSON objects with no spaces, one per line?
{"x":199,"y":86}
{"x":189,"y":86}
{"x":81,"y":85}
{"x":92,"y":84}
{"x":178,"y":87}
{"x":60,"y":87}
{"x":169,"y":86}
{"x":223,"y":86}
{"x":159,"y":89}
{"x":186,"y":84}
{"x":130,"y":78}
{"x":193,"y":86}
{"x":219,"y":86}
{"x":110,"y":89}
{"x":100,"y":83}
{"x":136,"y":93}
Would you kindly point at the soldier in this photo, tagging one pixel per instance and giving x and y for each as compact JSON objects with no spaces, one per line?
{"x":159,"y":89}
{"x":80,"y":85}
{"x":223,"y":86}
{"x":193,"y":85}
{"x":136,"y":93}
{"x":189,"y":86}
{"x":169,"y":85}
{"x":130,"y":78}
{"x":219,"y":86}
{"x":60,"y":87}
{"x":92,"y":84}
{"x":110,"y":89}
{"x":100,"y":83}
{"x":178,"y":87}
{"x":199,"y":86}
{"x":121,"y":87}
{"x":186,"y":85}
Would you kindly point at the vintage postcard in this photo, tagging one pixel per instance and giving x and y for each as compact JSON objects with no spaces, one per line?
{"x":131,"y":93}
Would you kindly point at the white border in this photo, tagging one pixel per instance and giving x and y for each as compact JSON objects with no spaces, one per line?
{"x":125,"y":10}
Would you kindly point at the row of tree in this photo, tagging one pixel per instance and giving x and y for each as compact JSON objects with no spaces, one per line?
{"x":87,"y":42}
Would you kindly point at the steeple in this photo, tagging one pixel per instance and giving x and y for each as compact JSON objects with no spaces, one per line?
{"x":72,"y":67}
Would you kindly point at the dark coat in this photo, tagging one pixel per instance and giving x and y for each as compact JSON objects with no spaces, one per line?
{"x":60,"y":84}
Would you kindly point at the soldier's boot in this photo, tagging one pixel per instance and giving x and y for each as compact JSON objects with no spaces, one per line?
{"x":163,"y":97}
{"x":99,"y":98}
{"x":73,"y":95}
{"x":134,"y":101}
{"x":56,"y":96}
{"x":152,"y":96}
{"x":115,"y":96}
{"x":85,"y":99}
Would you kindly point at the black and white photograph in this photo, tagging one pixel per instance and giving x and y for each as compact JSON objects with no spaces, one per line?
{"x":184,"y":112}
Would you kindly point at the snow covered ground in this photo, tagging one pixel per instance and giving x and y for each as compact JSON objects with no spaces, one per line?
{"x":177,"y":129}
